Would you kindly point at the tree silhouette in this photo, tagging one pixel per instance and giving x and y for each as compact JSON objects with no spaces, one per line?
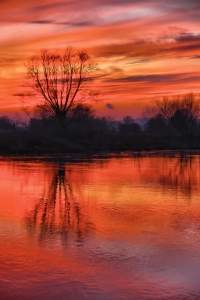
{"x":157,"y":124}
{"x":175,"y":117}
{"x":182,"y":113}
{"x":59,"y":77}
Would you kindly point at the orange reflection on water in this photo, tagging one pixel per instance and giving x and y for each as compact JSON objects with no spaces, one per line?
{"x":107,"y":227}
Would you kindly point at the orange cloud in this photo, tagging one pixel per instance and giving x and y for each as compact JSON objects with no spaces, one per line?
{"x":143,"y":49}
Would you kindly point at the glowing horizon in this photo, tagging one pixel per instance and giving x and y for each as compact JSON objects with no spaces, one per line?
{"x":145,"y":50}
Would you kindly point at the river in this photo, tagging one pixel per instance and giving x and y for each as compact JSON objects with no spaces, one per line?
{"x":106,"y":228}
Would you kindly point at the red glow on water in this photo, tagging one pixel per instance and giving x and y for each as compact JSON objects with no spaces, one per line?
{"x":109,"y":227}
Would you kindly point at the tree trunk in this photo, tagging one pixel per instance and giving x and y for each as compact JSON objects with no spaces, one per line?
{"x":61,"y":117}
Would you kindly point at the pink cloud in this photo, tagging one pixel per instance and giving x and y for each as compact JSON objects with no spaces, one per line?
{"x":150,"y":45}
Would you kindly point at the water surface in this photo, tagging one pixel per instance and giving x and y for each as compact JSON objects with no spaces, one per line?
{"x":118,"y":228}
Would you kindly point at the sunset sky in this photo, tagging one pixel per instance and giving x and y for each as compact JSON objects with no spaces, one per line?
{"x":146,"y":49}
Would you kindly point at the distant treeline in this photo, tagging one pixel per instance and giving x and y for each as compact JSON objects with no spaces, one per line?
{"x":84,"y":132}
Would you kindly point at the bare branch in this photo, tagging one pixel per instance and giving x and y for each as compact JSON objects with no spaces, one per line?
{"x":60,"y":77}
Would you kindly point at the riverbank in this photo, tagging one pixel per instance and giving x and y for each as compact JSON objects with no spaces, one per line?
{"x":26,"y":143}
{"x":88,"y":144}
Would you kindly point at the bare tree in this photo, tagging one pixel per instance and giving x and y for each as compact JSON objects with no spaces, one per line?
{"x":59,"y":77}
{"x":175,"y":116}
{"x":181,"y":112}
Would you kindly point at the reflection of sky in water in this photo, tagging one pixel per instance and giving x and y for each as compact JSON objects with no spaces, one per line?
{"x":109,"y":230}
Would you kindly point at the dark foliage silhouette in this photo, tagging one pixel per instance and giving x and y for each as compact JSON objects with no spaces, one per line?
{"x":6,"y":123}
{"x":175,"y":118}
{"x":129,"y":126}
{"x":182,"y":113}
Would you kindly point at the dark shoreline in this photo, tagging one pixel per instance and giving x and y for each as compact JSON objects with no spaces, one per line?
{"x":74,"y":157}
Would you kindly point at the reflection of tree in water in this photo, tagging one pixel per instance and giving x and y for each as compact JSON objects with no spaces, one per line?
{"x":58,"y":211}
{"x":181,"y":173}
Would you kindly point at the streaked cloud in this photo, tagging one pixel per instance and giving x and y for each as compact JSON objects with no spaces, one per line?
{"x":141,"y":46}
{"x":158,"y":78}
